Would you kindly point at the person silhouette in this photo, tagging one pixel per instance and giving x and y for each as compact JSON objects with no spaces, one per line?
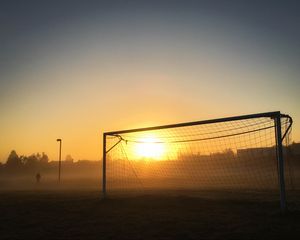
{"x":38,"y":177}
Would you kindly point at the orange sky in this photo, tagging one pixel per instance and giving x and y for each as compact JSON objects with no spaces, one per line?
{"x":90,"y":76}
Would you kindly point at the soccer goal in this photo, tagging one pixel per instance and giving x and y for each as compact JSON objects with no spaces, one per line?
{"x":234,"y":154}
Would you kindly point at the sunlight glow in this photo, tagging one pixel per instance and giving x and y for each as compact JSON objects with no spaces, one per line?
{"x":148,"y":147}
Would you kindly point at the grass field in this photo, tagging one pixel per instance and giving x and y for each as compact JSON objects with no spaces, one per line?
{"x":83,"y":215}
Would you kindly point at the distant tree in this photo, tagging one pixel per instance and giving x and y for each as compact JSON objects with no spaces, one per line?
{"x":23,"y":159}
{"x":31,"y":161}
{"x":44,"y":158}
{"x":13,"y":160}
{"x":69,"y":158}
{"x":229,"y":153}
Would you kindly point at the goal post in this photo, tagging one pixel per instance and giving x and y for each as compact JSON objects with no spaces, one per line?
{"x":279,"y":155}
{"x":240,"y":152}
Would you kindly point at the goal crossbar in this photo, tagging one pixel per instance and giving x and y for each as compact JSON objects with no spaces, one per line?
{"x":185,"y":124}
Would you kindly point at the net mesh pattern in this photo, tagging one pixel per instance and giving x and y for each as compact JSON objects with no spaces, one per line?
{"x":232,"y":155}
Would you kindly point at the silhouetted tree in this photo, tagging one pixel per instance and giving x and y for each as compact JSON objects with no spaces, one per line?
{"x":13,"y":160}
{"x":23,"y":159}
{"x":69,"y":158}
{"x":229,"y":153}
{"x":44,"y":158}
{"x":32,"y":161}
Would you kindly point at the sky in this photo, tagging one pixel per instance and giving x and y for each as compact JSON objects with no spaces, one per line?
{"x":74,"y":69}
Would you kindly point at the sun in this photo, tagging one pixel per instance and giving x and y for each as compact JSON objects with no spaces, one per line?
{"x":150,"y":147}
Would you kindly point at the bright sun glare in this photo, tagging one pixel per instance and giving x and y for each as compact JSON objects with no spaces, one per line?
{"x":148,"y":147}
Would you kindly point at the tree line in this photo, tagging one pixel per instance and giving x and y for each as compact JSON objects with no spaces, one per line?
{"x":14,"y":161}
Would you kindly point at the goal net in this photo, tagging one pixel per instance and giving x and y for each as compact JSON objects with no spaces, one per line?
{"x":236,"y":153}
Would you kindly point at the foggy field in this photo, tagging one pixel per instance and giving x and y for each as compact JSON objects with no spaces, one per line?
{"x":69,"y":214}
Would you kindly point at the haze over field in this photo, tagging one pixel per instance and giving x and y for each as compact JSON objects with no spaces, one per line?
{"x":72,"y":70}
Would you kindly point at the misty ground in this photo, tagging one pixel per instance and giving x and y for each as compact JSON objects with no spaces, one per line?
{"x":65,"y":214}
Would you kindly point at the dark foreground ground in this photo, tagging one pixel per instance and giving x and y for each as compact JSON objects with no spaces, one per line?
{"x":82,"y":215}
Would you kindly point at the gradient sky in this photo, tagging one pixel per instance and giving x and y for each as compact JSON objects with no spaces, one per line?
{"x":73,"y":69}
